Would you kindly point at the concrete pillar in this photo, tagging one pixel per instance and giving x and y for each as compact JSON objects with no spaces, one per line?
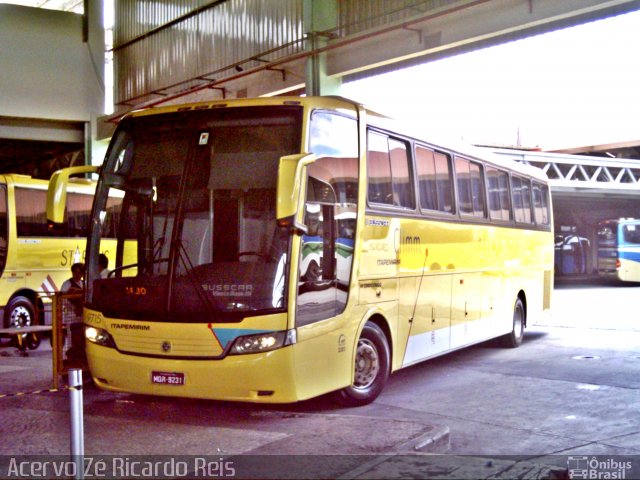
{"x":320,"y":16}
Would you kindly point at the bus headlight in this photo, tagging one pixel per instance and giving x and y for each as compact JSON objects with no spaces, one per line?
{"x":99,"y":337}
{"x":262,"y":342}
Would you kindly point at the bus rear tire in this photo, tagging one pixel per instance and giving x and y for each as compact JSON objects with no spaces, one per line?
{"x":514,"y":339}
{"x":372,"y":362}
{"x":20,"y":312}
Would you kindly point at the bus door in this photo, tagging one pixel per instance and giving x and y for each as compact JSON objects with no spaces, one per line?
{"x":324,"y":271}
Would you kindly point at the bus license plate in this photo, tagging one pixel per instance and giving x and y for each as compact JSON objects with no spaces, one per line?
{"x":167,"y":378}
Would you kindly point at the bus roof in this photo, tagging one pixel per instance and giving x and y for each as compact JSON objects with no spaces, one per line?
{"x":374,"y":118}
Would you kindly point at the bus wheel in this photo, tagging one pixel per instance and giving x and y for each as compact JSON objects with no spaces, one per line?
{"x":33,"y":341}
{"x":371,"y":368}
{"x":19,"y":313}
{"x":514,"y":339}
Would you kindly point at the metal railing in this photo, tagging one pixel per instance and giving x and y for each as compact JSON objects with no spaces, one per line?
{"x":67,"y":341}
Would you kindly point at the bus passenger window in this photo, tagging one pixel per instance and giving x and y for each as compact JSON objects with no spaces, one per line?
{"x":434,"y":180}
{"x":389,"y":176}
{"x":631,"y":234}
{"x":470,"y":187}
{"x":521,"y":200}
{"x":541,"y":203}
{"x":400,"y":174}
{"x":378,"y":170}
{"x":78,"y":213}
{"x":499,"y":205}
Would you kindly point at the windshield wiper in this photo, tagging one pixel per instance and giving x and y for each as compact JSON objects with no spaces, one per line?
{"x":186,"y":262}
{"x":133,"y":265}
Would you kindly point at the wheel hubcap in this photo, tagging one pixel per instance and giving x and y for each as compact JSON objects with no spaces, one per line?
{"x":367,"y":364}
{"x":20,"y":317}
{"x":518,"y":321}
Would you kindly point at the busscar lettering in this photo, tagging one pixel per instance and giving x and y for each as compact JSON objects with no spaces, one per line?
{"x":228,"y":290}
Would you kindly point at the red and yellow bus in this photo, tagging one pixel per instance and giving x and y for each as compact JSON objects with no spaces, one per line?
{"x":290,"y":247}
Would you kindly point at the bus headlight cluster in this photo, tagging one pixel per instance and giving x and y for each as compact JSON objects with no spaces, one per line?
{"x":262,"y":342}
{"x":99,"y":337}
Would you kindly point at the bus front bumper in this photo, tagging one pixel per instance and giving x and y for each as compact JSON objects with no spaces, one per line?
{"x":264,"y":377}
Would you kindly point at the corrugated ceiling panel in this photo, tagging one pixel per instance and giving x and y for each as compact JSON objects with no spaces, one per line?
{"x":359,"y":15}
{"x":189,"y":39}
{"x":163,"y":46}
{"x":137,"y":17}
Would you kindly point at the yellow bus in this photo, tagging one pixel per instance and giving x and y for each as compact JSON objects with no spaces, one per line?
{"x":36,"y":257}
{"x":291,"y":247}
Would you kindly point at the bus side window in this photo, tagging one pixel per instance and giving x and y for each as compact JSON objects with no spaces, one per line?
{"x":498,"y":186}
{"x":521,"y":199}
{"x":78,"y":213}
{"x":470,"y":187}
{"x":378,"y":170}
{"x":434,"y":180}
{"x":401,"y":175}
{"x":631,"y":234}
{"x":31,"y":218}
{"x":541,"y":203}
{"x":389,"y":175}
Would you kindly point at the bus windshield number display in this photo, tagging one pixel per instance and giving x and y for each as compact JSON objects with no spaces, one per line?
{"x":138,"y":291}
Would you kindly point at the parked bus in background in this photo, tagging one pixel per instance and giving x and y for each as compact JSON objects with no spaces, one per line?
{"x":571,"y":254}
{"x":35,"y":257}
{"x":619,"y":249}
{"x":290,"y":247}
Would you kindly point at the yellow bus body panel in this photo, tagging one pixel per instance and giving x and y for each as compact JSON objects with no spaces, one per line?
{"x":456,"y":284}
{"x":264,"y":377}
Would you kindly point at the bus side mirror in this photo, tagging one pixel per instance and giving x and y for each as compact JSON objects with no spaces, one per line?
{"x":57,"y":191}
{"x":290,"y":185}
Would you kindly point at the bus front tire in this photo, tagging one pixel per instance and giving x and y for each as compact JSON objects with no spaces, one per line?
{"x":372,"y":362}
{"x":514,"y":338}
{"x":19,"y":313}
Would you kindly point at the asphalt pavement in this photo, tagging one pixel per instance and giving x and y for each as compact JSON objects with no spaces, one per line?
{"x":261,"y":441}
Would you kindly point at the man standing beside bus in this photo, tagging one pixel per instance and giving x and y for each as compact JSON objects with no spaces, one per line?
{"x":75,"y":285}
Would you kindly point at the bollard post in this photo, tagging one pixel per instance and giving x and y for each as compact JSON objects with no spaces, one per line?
{"x":77,"y":420}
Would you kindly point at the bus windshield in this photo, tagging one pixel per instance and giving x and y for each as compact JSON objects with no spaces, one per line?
{"x":197,"y":235}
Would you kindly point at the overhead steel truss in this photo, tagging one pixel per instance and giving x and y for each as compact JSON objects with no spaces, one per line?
{"x":582,"y":172}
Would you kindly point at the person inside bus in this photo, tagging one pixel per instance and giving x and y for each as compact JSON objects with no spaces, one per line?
{"x":103,"y":265}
